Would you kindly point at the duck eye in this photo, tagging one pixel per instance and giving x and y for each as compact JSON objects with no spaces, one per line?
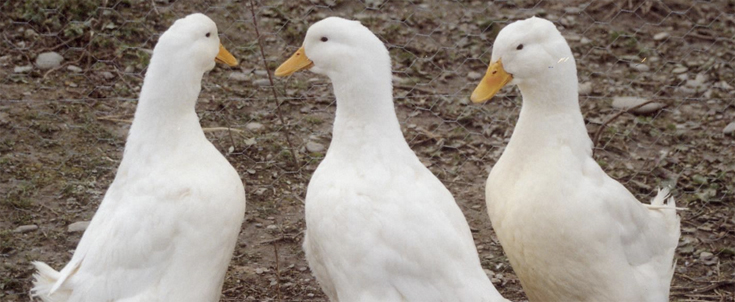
{"x":208,"y":34}
{"x":324,"y":39}
{"x":520,"y":46}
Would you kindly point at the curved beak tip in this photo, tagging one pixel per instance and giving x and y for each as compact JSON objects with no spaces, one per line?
{"x":296,"y":62}
{"x":225,"y":57}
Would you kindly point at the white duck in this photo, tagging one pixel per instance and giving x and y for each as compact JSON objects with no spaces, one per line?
{"x":380,"y":225}
{"x":167,"y":226}
{"x":571,"y":232}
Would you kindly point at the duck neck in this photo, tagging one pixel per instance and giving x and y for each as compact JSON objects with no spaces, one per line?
{"x":165,"y":117}
{"x":365,"y":111}
{"x":550,"y":115}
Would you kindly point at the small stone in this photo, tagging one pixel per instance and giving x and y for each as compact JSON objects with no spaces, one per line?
{"x":680,"y":69}
{"x":640,"y":67}
{"x":48,"y":60}
{"x":314,"y":147}
{"x":129,"y":69}
{"x":261,"y":73}
{"x":706,"y":256}
{"x":729,"y":129}
{"x":29,"y":34}
{"x":585,"y":41}
{"x":25,"y":228}
{"x":79,"y":226}
{"x":5,"y":59}
{"x":23,"y":69}
{"x":472,"y":75}
{"x":625,"y":102}
{"x":585,"y":88}
{"x":107,"y":75}
{"x":73,"y":68}
{"x":258,"y":271}
{"x":239,"y":76}
{"x":261,"y":82}
{"x":398,"y":80}
{"x":660,"y":36}
{"x":4,"y":118}
{"x":254,"y":126}
{"x":272,"y":227}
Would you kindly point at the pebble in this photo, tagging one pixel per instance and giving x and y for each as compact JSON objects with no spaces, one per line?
{"x":640,"y":67}
{"x":706,"y":256}
{"x":261,"y":82}
{"x":79,"y":226}
{"x":23,"y":69}
{"x":314,"y":147}
{"x":25,"y":228}
{"x":107,"y":75}
{"x":239,"y":76}
{"x":272,"y":227}
{"x":699,"y":83}
{"x":254,"y":126}
{"x":261,"y":73}
{"x":680,"y":69}
{"x":473,"y":75}
{"x":73,"y":68}
{"x":48,"y":60}
{"x":729,"y":129}
{"x":129,"y":69}
{"x":624,"y":102}
{"x":585,"y":41}
{"x":585,"y":88}
{"x":30,"y":34}
{"x":660,"y":36}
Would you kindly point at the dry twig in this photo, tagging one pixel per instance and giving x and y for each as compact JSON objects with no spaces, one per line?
{"x":273,"y":86}
{"x":598,"y":133}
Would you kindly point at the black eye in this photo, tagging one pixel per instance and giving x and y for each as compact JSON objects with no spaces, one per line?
{"x":520,"y":46}
{"x":208,"y":34}
{"x":324,"y":39}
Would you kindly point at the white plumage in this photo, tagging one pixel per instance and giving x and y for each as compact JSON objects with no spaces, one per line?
{"x":167,"y":226}
{"x":571,"y":232}
{"x":380,"y":225}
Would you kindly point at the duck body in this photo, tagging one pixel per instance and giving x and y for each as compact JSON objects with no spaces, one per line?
{"x":382,"y":227}
{"x":379,"y":225}
{"x":168,"y":224}
{"x":570,"y":231}
{"x":571,"y":244}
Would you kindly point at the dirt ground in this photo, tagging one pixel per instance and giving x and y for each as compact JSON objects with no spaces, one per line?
{"x":62,"y":131}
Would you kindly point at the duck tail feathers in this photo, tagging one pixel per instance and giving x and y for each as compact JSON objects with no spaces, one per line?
{"x":43,"y":282}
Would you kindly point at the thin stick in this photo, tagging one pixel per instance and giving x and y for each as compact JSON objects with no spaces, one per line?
{"x":602,"y":127}
{"x":273,"y":87}
{"x":278,"y":272}
{"x":210,"y":129}
{"x":213,"y":129}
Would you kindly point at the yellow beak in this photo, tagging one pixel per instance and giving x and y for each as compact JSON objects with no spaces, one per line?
{"x":296,"y":62}
{"x":225,"y":57}
{"x":494,"y":79}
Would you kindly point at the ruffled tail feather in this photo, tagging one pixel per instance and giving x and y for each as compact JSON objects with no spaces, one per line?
{"x":44,"y":280}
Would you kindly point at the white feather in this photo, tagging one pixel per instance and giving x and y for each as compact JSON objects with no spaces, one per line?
{"x":570,"y":231}
{"x":167,"y":226}
{"x":380,"y":225}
